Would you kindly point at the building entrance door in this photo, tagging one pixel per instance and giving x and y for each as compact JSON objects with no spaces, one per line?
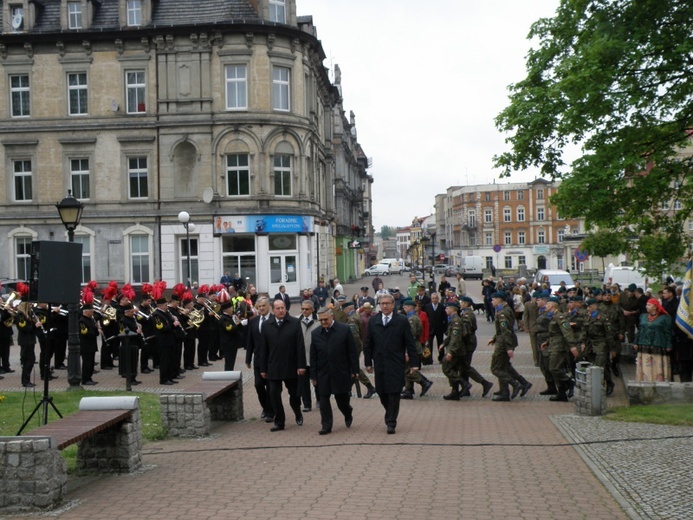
{"x":284,"y":271}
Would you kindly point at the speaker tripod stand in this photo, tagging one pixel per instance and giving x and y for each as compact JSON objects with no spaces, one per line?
{"x":46,"y":400}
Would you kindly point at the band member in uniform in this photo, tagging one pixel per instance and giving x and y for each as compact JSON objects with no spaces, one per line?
{"x":108,"y":316}
{"x":59,"y":336}
{"x":229,"y":334}
{"x":190,"y":324}
{"x":175,"y":310}
{"x":26,"y":336}
{"x":6,"y":334}
{"x":143,"y":315}
{"x":204,"y":334}
{"x":130,"y":327}
{"x":88,"y":334}
{"x":165,"y":336}
{"x":44,"y":334}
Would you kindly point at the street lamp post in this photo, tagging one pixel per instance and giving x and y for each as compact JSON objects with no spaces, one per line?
{"x":70,"y":211}
{"x":184,"y":218}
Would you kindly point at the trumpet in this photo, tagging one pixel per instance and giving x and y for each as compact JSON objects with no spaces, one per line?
{"x":60,"y":310}
{"x":140,"y":314}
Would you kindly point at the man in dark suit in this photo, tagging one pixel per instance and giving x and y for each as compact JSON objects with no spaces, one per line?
{"x":254,"y":341}
{"x":421,"y":296}
{"x":282,"y":360}
{"x":437,"y":324}
{"x":389,"y":345}
{"x":281,"y":295}
{"x":334,"y":365}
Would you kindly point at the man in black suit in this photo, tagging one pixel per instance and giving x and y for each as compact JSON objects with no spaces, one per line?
{"x":281,"y":295}
{"x":389,"y":344}
{"x":437,"y":324}
{"x":334,"y":365}
{"x":254,"y":341}
{"x":282,"y":360}
{"x":422,"y":297}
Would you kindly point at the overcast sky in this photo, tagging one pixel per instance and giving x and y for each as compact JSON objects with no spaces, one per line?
{"x":426,"y":80}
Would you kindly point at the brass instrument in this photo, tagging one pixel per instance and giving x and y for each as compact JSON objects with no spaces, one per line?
{"x":141,"y":314}
{"x":11,"y":302}
{"x":60,"y":310}
{"x":195,"y":318}
{"x":109,"y":313}
{"x":209,"y":305}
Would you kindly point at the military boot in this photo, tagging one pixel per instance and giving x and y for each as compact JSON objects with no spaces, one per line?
{"x":454,"y":395}
{"x":503,"y":394}
{"x":370,"y":393}
{"x":560,"y":395}
{"x":426,"y":385}
{"x":550,"y":389}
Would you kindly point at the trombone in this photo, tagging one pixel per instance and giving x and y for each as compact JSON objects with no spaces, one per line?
{"x":207,"y":303}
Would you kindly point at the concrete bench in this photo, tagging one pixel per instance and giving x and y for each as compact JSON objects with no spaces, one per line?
{"x":108,"y":431}
{"x":190,"y":412}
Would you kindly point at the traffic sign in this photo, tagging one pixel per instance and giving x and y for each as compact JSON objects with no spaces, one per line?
{"x":581,"y":255}
{"x":497,"y":248}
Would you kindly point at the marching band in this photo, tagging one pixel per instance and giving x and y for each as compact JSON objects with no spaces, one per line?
{"x":156,"y":332}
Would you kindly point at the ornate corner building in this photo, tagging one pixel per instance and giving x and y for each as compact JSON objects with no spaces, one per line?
{"x":145,"y":108}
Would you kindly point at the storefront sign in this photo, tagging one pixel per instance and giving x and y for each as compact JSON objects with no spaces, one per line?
{"x":224,"y":225}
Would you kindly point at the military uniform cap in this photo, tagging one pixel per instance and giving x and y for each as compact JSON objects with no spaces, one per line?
{"x":554,"y":299}
{"x":591,"y":301}
{"x":408,"y":301}
{"x":498,"y":294}
{"x":347,"y":304}
{"x":466,"y":299}
{"x":453,"y":304}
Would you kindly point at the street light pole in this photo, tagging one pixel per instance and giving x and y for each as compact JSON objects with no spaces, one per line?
{"x":70,"y":210}
{"x":184,"y":218}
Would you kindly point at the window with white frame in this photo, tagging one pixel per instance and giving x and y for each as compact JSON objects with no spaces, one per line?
{"x":85,"y":270}
{"x":79,"y":178}
{"x":677,"y":205}
{"x":20,"y":95}
{"x":22,"y":180}
{"x":690,"y":225}
{"x":281,"y":88}
{"x":471,"y":216}
{"x":521,"y":214}
{"x":507,"y":238}
{"x":134,"y":9}
{"x":139,"y":258}
{"x":472,"y":240}
{"x":488,"y":215}
{"x":138,"y":178}
{"x":507,"y":215}
{"x":520,"y":195}
{"x":238,"y":174}
{"x":560,"y":235}
{"x":488,"y":239}
{"x":487,"y":197}
{"x":540,"y":194}
{"x":135,"y":86}
{"x":508,"y":262}
{"x":22,"y":248}
{"x":282,"y":175}
{"x":540,"y":213}
{"x":521,"y":237}
{"x":489,"y":262}
{"x":74,"y":15}
{"x":77,"y":93}
{"x":521,"y":260}
{"x":665,"y":204}
{"x":194,"y":257}
{"x":506,"y":195}
{"x":277,"y":11}
{"x":236,"y":87}
{"x":541,"y":236}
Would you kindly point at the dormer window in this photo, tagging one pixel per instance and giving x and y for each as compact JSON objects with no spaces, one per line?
{"x":17,"y":17}
{"x":134,"y":13}
{"x":74,"y":15}
{"x":277,"y":11}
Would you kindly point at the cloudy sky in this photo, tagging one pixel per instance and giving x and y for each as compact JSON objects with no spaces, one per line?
{"x":426,"y":80}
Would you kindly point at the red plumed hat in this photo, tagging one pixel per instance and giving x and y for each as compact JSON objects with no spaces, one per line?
{"x":23,"y":289}
{"x":203,"y":290}
{"x":128,"y":292}
{"x":147,"y":289}
{"x":87,"y":296}
{"x":111,"y":290}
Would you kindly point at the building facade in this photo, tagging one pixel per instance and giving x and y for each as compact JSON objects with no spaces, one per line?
{"x":510,"y":225}
{"x":145,"y":108}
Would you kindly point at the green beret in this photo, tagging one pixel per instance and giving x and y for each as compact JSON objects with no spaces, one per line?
{"x":591,"y":301}
{"x":467,"y":299}
{"x":575,"y":299}
{"x":554,"y":299}
{"x":453,"y":304}
{"x":498,"y":294}
{"x":408,"y":301}
{"x":347,"y":304}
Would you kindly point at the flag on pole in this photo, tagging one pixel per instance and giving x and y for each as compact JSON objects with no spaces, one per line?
{"x":684,"y":314}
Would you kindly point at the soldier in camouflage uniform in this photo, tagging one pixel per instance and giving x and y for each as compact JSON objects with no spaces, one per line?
{"x":576,"y":317}
{"x":416,"y":376}
{"x":460,"y":342}
{"x":561,"y":344}
{"x":595,"y":347}
{"x":337,"y":312}
{"x":544,"y":317}
{"x":504,"y":342}
{"x":614,"y":314}
{"x":354,"y":322}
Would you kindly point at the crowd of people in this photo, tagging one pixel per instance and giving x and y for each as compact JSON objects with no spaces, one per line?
{"x":316,"y":354}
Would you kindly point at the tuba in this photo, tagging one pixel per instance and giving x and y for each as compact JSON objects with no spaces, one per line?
{"x":195,"y":318}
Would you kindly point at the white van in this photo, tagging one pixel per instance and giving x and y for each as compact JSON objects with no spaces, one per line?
{"x":395,"y":265}
{"x":554,"y":277}
{"x":624,"y":276}
{"x":472,"y":267}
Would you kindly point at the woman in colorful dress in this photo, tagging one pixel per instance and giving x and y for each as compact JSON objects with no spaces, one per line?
{"x":653,"y":344}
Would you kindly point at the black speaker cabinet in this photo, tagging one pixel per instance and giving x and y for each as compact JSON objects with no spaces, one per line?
{"x":55,"y":272}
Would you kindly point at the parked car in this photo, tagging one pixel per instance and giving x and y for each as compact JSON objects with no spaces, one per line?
{"x":377,"y":269}
{"x":554,"y":277}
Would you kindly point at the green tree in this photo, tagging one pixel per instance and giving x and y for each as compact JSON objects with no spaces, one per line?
{"x":611,"y":78}
{"x":603,"y":243}
{"x":386,"y":232}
